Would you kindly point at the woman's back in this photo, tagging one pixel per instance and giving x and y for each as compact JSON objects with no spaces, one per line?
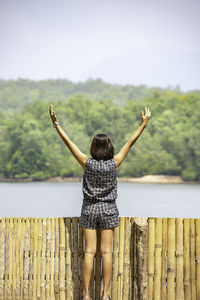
{"x":100,"y":180}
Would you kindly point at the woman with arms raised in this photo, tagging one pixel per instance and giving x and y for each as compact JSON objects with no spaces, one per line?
{"x":99,"y":209}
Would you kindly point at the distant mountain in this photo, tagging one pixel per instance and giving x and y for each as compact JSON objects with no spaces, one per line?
{"x":151,"y":66}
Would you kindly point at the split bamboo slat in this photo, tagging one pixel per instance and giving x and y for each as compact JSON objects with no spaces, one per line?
{"x":126,"y":264}
{"x":14,"y":281}
{"x":56,"y":269}
{"x":43,"y":261}
{"x":24,"y":287}
{"x":164,"y":258}
{"x":154,"y":258}
{"x":68,"y":242}
{"x":197,"y":251}
{"x":62,"y":260}
{"x":2,"y":235}
{"x":151,"y":243}
{"x":6,"y":296}
{"x":121,"y":256}
{"x":48,"y":238}
{"x":192,"y":258}
{"x":80,"y":231}
{"x":158,"y":249}
{"x":134,"y":263}
{"x":75,"y":258}
{"x":186,"y":265}
{"x":52,"y":285}
{"x":179,"y":259}
{"x":10,"y":294}
{"x":171,"y":259}
{"x":131,"y":285}
{"x":31,"y":259}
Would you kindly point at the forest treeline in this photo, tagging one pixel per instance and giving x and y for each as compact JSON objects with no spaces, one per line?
{"x":15,"y":93}
{"x":31,"y":147}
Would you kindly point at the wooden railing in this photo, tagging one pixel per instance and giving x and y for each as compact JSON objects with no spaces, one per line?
{"x":153,"y":258}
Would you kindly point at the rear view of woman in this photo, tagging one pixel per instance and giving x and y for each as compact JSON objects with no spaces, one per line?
{"x":99,"y":209}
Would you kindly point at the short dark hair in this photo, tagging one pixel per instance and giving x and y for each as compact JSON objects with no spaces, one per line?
{"x":101,"y":147}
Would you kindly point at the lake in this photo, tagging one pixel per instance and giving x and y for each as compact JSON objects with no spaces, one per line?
{"x":55,"y":199}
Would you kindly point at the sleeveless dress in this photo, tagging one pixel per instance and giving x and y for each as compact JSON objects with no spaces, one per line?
{"x":99,"y":187}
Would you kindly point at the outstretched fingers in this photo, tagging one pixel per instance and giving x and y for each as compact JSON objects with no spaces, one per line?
{"x":51,"y":109}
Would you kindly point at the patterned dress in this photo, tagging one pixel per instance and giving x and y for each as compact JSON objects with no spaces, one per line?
{"x":99,"y":208}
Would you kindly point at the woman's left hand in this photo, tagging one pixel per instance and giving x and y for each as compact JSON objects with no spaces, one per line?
{"x":52,"y":114}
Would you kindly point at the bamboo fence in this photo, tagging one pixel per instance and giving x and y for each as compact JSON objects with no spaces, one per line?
{"x":153,"y":258}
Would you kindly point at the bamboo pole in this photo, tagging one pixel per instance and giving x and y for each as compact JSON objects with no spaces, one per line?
{"x":151,"y":247}
{"x":18,"y":242}
{"x":192,"y":258}
{"x":2,"y":247}
{"x":179,"y":259}
{"x":6,"y":258}
{"x":43,"y":261}
{"x":164,"y":257}
{"x":131,"y":289}
{"x":158,"y":249}
{"x":35,"y":260}
{"x":21,"y":254}
{"x":14,"y":259}
{"x":56,"y":274}
{"x":52,"y":295}
{"x":115,"y":263}
{"x":17,"y":223}
{"x":135,"y":291}
{"x":197,"y":233}
{"x":81,"y":257}
{"x":24,"y":294}
{"x":121,"y":258}
{"x":69,"y":281}
{"x":75,"y":258}
{"x":62,"y":260}
{"x":48,"y":241}
{"x":171,"y":259}
{"x":31,"y":258}
{"x":39,"y":256}
{"x":141,"y":256}
{"x":10,"y":294}
{"x":126,"y":263}
{"x":186,"y":266}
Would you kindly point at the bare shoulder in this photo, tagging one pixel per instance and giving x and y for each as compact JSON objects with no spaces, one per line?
{"x":116,"y":162}
{"x":84,"y":161}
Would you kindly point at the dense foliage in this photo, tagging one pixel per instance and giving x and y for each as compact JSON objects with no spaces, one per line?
{"x":31,"y":147}
{"x":15,"y":93}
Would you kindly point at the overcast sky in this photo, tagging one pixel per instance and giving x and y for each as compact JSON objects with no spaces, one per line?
{"x":42,"y":39}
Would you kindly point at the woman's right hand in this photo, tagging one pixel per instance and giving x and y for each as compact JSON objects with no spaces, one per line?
{"x":146,"y":116}
{"x":52,"y":114}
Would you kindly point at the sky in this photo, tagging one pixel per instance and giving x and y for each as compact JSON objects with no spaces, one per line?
{"x":81,"y":39}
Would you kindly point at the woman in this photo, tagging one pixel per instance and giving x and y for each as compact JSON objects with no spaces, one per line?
{"x":99,"y":210}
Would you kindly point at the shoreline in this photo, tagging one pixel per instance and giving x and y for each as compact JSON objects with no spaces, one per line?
{"x":143,"y":179}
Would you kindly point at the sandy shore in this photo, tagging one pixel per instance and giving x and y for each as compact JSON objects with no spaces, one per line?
{"x":144,"y":179}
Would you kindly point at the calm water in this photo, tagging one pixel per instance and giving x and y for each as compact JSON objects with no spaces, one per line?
{"x":47,"y":199}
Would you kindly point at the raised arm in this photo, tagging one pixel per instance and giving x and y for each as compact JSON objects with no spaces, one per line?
{"x":125,"y":149}
{"x":80,"y":156}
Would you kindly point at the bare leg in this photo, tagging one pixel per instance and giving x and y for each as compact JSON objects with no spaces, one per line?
{"x":90,"y":250}
{"x":106,"y":252}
